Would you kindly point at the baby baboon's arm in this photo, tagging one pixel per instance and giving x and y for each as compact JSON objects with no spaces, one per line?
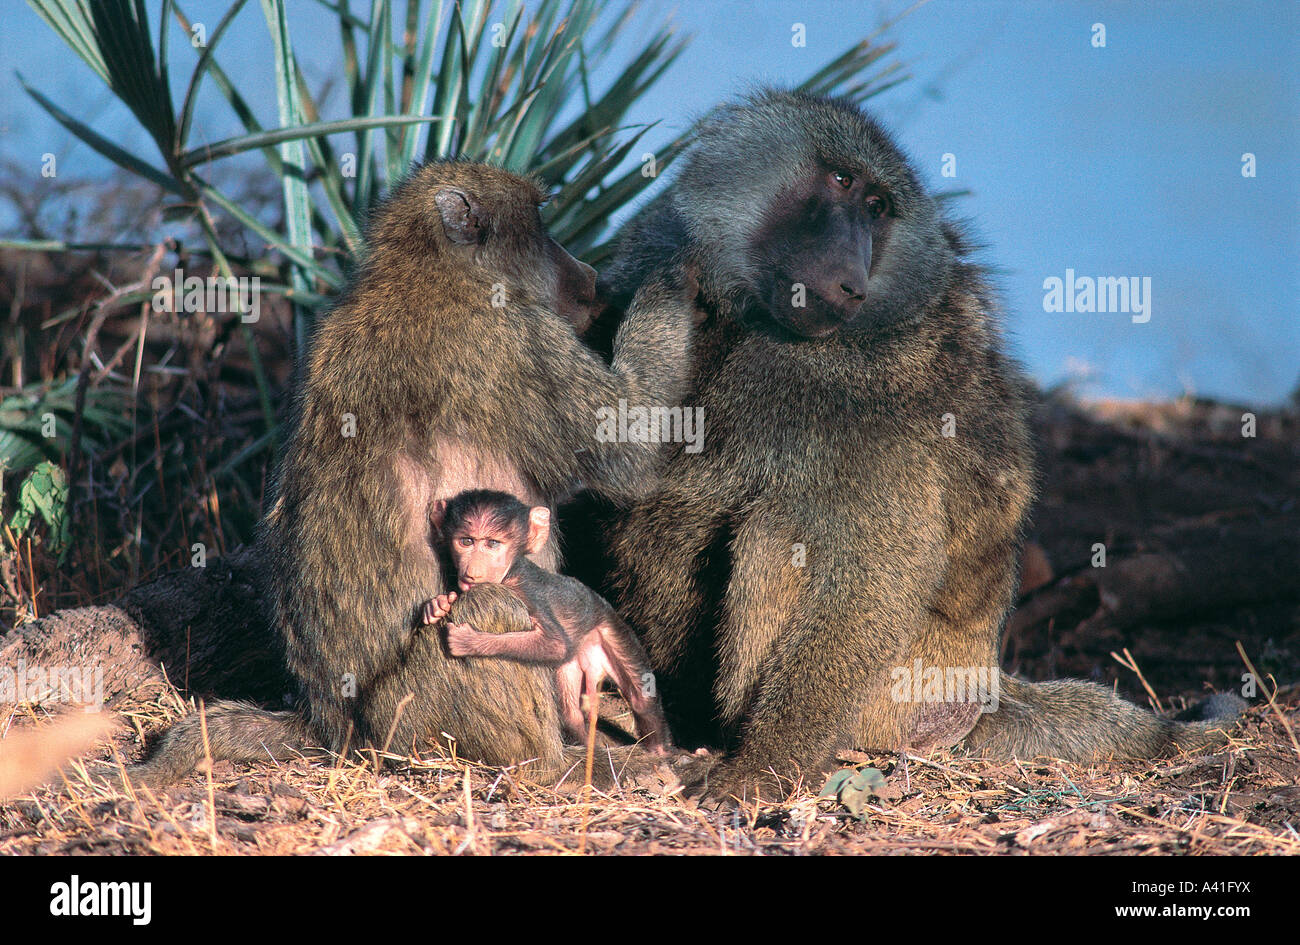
{"x":546,"y":644}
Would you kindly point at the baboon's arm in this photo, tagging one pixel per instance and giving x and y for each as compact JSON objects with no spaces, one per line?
{"x":542,"y":644}
{"x":651,"y":368}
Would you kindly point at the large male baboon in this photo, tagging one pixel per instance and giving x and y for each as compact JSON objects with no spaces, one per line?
{"x":856,"y":512}
{"x":450,"y":363}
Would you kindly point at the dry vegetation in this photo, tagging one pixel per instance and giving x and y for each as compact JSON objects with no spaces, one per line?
{"x":1243,"y":800}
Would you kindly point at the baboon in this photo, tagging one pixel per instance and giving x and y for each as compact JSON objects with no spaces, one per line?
{"x":862,"y":492}
{"x":449,"y":363}
{"x":572,"y":629}
{"x":493,"y":608}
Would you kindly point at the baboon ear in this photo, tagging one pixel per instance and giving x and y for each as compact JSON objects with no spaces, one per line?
{"x":437,"y":514}
{"x":539,"y":528}
{"x":462,"y":218}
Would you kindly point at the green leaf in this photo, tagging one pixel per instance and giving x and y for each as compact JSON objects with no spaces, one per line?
{"x":836,"y":781}
{"x":393,"y":169}
{"x":44,"y":496}
{"x":346,"y":18}
{"x":164,"y":72}
{"x":247,"y":452}
{"x":854,"y":788}
{"x":331,"y":178}
{"x":200,"y":70}
{"x":591,"y":217}
{"x":491,"y":89}
{"x":630,"y":85}
{"x":121,"y":31}
{"x":243,"y":111}
{"x":274,"y":239}
{"x":239,"y":145}
{"x":18,"y":451}
{"x":422,"y":79}
{"x":63,"y":246}
{"x":73,"y":26}
{"x":447,"y":92}
{"x":297,"y":201}
{"x":378,"y":48}
{"x":104,"y":146}
{"x":348,"y":25}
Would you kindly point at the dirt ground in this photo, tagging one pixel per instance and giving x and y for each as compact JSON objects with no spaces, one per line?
{"x":1201,"y":533}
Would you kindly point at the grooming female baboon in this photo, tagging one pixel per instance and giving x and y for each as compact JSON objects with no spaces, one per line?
{"x":450,"y":363}
{"x":858,"y":506}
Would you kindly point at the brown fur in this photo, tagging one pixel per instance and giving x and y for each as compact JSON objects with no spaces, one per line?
{"x":835,"y":442}
{"x":492,"y":608}
{"x":449,"y":393}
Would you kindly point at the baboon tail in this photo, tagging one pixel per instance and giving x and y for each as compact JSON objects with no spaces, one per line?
{"x":236,"y":731}
{"x":1083,"y":722}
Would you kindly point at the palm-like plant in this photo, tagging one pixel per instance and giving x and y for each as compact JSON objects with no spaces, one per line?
{"x":527,"y":87}
{"x":471,"y":78}
{"x":450,"y":84}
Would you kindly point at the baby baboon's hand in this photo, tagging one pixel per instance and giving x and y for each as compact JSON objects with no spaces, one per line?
{"x":674,"y":284}
{"x":461,"y":639}
{"x":434,"y":610}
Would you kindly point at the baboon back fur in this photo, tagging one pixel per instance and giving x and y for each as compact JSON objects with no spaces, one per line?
{"x":443,"y":367}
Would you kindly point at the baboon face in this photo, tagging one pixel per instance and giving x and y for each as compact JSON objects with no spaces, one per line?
{"x":494,"y":221}
{"x":814,"y":248}
{"x":486,"y":532}
{"x":801,"y":210}
{"x":575,"y":291}
{"x":483,"y":551}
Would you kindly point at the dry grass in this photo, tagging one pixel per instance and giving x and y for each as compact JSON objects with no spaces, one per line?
{"x":1241,"y":800}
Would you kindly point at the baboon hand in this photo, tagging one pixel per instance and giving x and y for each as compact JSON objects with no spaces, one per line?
{"x":462,"y":639}
{"x":676,"y":282}
{"x":434,"y":610}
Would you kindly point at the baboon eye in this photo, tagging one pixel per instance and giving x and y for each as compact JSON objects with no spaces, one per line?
{"x":843,"y":179}
{"x":876,"y":206}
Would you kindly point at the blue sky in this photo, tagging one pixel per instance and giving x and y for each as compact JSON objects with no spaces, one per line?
{"x":1118,"y":161}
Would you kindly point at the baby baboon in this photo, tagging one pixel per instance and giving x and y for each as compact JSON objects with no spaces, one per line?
{"x":573,"y":629}
{"x":858,"y":506}
{"x":450,"y":363}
